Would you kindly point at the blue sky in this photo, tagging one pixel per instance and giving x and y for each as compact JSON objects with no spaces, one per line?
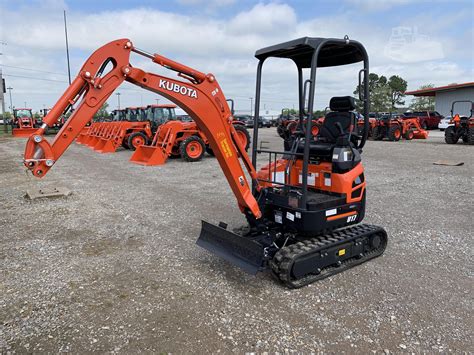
{"x":221,"y":36}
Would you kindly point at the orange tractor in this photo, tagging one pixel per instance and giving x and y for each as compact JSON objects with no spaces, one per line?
{"x":23,"y":123}
{"x":460,"y":126}
{"x":395,"y":128}
{"x":178,"y":138}
{"x":129,"y":133}
{"x":305,"y":205}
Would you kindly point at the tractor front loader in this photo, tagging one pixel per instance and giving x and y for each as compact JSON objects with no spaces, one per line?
{"x":23,"y":122}
{"x":396,"y":128}
{"x":460,"y":126}
{"x":304,"y":207}
{"x":177,"y":138}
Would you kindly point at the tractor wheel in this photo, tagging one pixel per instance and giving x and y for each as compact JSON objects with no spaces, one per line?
{"x":292,"y":127}
{"x":210,"y":151}
{"x":470,"y":135}
{"x":281,"y":131}
{"x":450,"y":136}
{"x":243,"y":135}
{"x":465,"y":137}
{"x":192,"y":149}
{"x":409,"y":135}
{"x":377,"y":133}
{"x":136,"y":139}
{"x":125,"y":141}
{"x":394,"y":133}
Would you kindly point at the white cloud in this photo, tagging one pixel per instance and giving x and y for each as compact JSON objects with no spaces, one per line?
{"x":224,"y":47}
{"x":378,"y":5}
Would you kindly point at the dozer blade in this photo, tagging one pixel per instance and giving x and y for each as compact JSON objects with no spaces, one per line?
{"x":238,"y":250}
{"x":149,"y":155}
{"x":23,"y":132}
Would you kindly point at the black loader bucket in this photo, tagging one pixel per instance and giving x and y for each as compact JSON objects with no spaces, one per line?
{"x":238,"y":250}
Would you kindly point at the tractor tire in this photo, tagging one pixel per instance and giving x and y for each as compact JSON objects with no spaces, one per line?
{"x":292,"y":127}
{"x":210,"y":151}
{"x":136,"y":139}
{"x":465,"y":137}
{"x":125,"y":141}
{"x":281,"y":131}
{"x":377,"y":134}
{"x":470,"y":136}
{"x":409,"y":135}
{"x":450,"y":136}
{"x":394,"y":133}
{"x":192,"y":149}
{"x":243,"y":134}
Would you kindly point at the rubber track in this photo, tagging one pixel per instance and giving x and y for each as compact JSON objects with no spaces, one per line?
{"x":282,"y":263}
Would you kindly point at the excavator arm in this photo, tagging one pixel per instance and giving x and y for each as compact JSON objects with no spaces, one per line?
{"x":198,"y":94}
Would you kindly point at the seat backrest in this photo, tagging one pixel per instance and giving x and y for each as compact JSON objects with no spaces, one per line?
{"x":340,"y":112}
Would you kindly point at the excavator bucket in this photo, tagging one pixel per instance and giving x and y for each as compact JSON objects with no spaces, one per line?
{"x":241,"y":251}
{"x":420,"y":134}
{"x":23,"y":132}
{"x":149,"y":155}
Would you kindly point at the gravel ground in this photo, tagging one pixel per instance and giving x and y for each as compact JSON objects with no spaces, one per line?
{"x":114,"y":267}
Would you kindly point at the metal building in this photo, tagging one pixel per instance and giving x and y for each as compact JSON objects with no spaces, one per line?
{"x":445,"y":95}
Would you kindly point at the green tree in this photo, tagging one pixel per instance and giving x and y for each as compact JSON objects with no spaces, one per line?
{"x":379,"y":93}
{"x":423,"y":103}
{"x":397,"y":87}
{"x":102,"y":111}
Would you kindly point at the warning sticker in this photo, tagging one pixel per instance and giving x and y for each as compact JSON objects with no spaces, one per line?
{"x":226,"y":148}
{"x":290,"y":216}
{"x":278,"y":217}
{"x":331,"y":212}
{"x":311,"y":178}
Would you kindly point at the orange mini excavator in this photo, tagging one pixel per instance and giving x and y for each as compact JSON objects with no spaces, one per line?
{"x":301,"y":205}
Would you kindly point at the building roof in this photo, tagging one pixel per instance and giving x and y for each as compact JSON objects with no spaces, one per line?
{"x":433,"y":91}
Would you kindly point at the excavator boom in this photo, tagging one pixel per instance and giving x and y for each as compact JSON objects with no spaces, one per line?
{"x":198,"y":94}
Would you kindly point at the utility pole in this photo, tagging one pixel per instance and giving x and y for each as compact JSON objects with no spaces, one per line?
{"x":67,"y":49}
{"x":3,"y":90}
{"x":24,"y":103}
{"x":118,"y":98}
{"x":157,"y":101}
{"x":11,"y":102}
{"x":251,"y":105}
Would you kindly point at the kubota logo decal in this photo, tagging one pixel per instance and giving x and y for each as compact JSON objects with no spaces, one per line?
{"x":180,"y":89}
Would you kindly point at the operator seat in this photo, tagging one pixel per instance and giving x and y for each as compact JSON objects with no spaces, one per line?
{"x":329,"y":133}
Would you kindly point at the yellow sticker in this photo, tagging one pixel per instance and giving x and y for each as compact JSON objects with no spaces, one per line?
{"x":341,"y":252}
{"x":226,"y":148}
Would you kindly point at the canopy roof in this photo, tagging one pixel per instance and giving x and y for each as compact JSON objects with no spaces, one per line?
{"x":301,"y":51}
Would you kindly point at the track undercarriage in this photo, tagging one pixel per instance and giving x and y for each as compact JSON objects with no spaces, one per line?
{"x":294,"y":260}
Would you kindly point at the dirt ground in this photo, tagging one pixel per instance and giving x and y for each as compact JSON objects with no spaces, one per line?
{"x":114,"y":267}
